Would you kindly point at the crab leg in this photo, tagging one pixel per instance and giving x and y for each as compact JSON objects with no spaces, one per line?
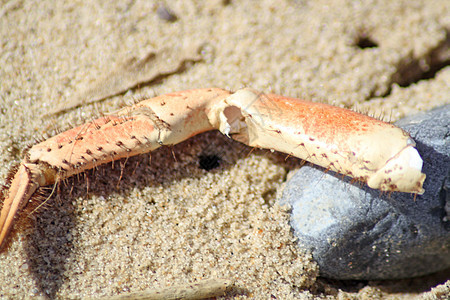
{"x":144,"y":127}
{"x":356,"y":145}
{"x":342,"y":140}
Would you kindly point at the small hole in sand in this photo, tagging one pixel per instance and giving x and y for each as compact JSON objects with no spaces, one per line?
{"x":364,"y":42}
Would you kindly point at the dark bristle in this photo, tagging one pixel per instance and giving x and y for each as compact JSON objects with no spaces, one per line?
{"x":9,"y":177}
{"x":26,"y":149}
{"x":39,"y":200}
{"x":96,"y":125}
{"x":23,"y":220}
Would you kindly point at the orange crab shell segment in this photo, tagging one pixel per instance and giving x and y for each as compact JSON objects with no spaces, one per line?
{"x":335,"y":138}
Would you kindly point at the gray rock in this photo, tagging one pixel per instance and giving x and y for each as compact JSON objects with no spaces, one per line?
{"x":355,"y":232}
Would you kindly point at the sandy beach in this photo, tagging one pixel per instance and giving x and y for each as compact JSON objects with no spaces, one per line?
{"x":161,"y":220}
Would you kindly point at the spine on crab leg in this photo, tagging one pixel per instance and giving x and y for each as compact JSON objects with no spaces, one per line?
{"x":344,"y":141}
{"x":164,"y":120}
